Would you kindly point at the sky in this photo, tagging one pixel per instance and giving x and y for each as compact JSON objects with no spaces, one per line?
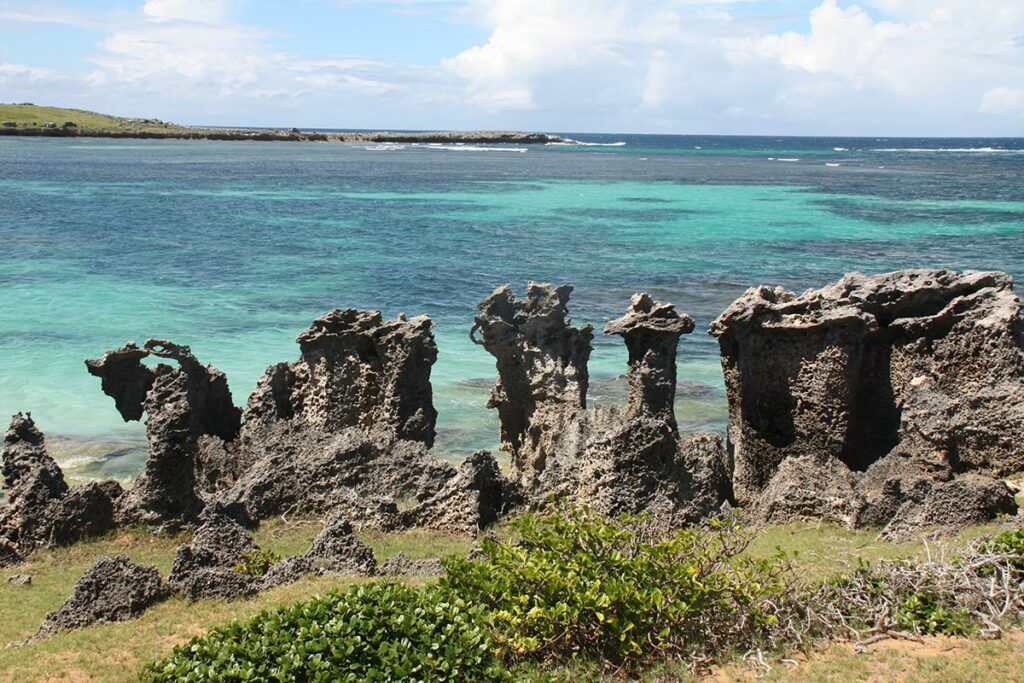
{"x":774,"y":67}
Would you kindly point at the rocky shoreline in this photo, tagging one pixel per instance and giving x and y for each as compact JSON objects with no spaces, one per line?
{"x":893,"y":401}
{"x":291,"y":135}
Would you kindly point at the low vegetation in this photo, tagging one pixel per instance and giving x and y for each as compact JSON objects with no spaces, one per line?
{"x":26,"y":115}
{"x":564,"y":596}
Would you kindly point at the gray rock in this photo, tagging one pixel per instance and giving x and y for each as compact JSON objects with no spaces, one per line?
{"x":114,"y":589}
{"x":205,"y":567}
{"x":472,"y":500}
{"x":400,"y":565}
{"x":542,"y":374}
{"x":882,"y":389}
{"x":337,"y":550}
{"x":183,"y":405}
{"x":43,"y":509}
{"x":20,"y":579}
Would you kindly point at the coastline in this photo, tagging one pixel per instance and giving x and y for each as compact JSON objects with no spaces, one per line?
{"x":294,"y":135}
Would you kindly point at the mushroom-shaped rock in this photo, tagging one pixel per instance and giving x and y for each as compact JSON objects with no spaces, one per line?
{"x":114,"y":589}
{"x":542,"y":372}
{"x":651,"y":330}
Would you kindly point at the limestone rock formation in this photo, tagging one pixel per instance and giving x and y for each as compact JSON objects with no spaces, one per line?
{"x":883,"y":390}
{"x":356,"y":370}
{"x":205,"y":567}
{"x":471,"y":500}
{"x":335,"y":550}
{"x":617,"y":461}
{"x":114,"y":589}
{"x":651,"y":330}
{"x":43,"y":510}
{"x":542,"y":374}
{"x":400,"y":565}
{"x":189,"y":412}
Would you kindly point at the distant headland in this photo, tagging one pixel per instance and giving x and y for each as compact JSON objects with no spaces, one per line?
{"x":32,"y":120}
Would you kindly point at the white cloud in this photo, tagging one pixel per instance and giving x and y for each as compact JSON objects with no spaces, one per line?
{"x":873,"y":66}
{"x":1003,"y":101}
{"x":204,"y":11}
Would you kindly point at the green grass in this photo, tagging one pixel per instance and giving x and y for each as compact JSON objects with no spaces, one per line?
{"x":33,"y":116}
{"x":115,"y":652}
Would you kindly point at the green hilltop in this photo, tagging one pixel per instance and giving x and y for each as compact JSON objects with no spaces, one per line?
{"x":28,"y":115}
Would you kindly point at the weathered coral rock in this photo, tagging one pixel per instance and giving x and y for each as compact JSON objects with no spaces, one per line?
{"x":910,"y":378}
{"x":114,"y":589}
{"x":616,"y":461}
{"x":348,"y":425}
{"x":205,"y":567}
{"x":651,"y":331}
{"x":360,"y":472}
{"x":43,"y":510}
{"x":189,"y":412}
{"x":20,"y":579}
{"x":470,"y":501}
{"x":400,"y":565}
{"x":356,"y":370}
{"x":542,"y":374}
{"x":335,"y":550}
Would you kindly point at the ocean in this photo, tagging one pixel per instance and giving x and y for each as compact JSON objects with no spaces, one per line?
{"x":235,"y":247}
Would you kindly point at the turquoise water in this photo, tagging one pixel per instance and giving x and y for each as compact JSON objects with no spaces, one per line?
{"x":234,"y":248}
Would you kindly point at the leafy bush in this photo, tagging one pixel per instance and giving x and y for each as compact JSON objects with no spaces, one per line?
{"x":256,"y":562}
{"x":931,"y":613}
{"x":373,"y":632}
{"x":576,"y":584}
{"x":1010,"y":542}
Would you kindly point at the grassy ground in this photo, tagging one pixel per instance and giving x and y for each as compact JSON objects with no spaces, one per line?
{"x":33,"y":116}
{"x":115,"y":652}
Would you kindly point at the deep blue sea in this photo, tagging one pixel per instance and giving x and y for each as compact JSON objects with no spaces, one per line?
{"x":234,"y":247}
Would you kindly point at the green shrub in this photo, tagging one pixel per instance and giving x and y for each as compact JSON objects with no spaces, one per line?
{"x":1010,"y":542}
{"x":373,"y":632}
{"x":256,"y":562}
{"x":576,"y":584}
{"x":930,"y":614}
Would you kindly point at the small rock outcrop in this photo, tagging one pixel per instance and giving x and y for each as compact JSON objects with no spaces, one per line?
{"x":114,"y":589}
{"x":189,"y":411}
{"x":472,"y":500}
{"x":862,"y":401}
{"x":43,"y":510}
{"x":335,"y":550}
{"x":400,"y":565}
{"x":542,"y":374}
{"x":205,"y":567}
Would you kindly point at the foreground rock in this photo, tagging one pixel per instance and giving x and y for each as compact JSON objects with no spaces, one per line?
{"x":206,"y":567}
{"x":43,"y":510}
{"x":190,"y":416}
{"x":114,"y":589}
{"x":335,"y":550}
{"x":865,"y":402}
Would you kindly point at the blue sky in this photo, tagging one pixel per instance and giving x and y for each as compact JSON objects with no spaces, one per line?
{"x":875,"y":67}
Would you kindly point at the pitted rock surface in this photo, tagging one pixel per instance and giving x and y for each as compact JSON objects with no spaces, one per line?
{"x":185,"y":407}
{"x":356,"y":370}
{"x":400,"y":565}
{"x":114,"y":589}
{"x":205,"y":567}
{"x":362,"y":473}
{"x":472,"y":500}
{"x":43,"y":509}
{"x":337,"y":550}
{"x":542,"y":374}
{"x":897,"y":383}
